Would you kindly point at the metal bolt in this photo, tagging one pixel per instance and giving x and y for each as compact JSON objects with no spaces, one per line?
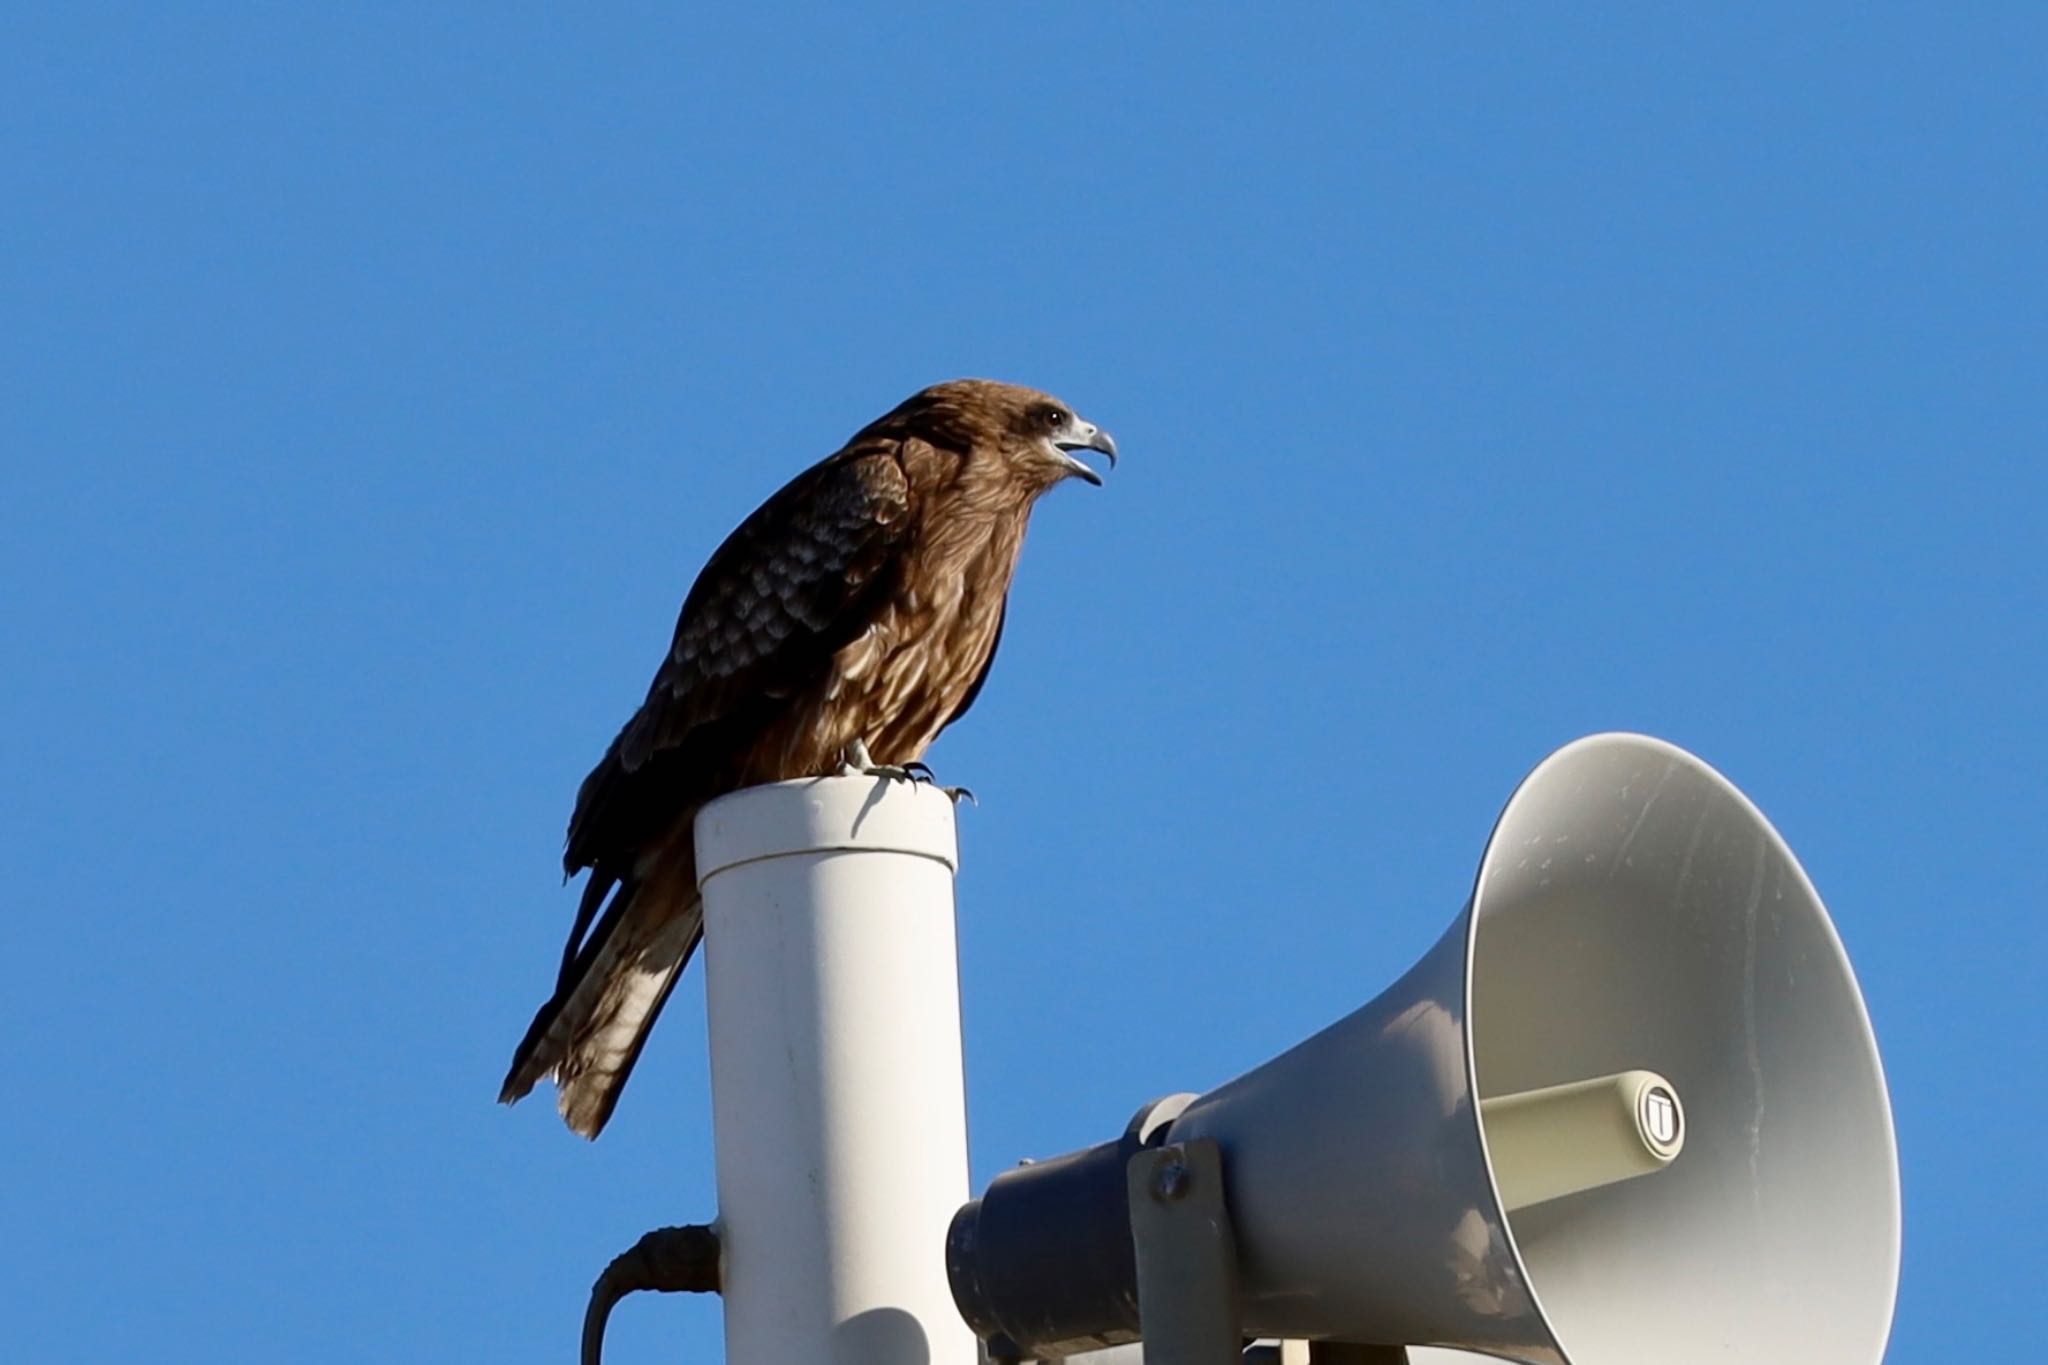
{"x":1170,"y":1180}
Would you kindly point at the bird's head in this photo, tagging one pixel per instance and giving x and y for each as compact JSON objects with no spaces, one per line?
{"x":1033,"y":434}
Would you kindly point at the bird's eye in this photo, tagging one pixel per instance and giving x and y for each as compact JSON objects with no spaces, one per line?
{"x":1054,"y":418}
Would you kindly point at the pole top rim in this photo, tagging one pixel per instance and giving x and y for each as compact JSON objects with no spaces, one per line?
{"x":826,"y":815}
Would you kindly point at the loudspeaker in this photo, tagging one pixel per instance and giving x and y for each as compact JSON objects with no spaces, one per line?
{"x":1627,"y":1111}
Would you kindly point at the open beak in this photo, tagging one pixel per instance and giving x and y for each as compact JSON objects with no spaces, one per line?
{"x":1082,"y":435}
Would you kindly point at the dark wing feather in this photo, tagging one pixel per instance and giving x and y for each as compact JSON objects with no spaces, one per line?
{"x":800,"y":579}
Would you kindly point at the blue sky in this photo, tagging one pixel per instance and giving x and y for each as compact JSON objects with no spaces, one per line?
{"x":374,"y":381}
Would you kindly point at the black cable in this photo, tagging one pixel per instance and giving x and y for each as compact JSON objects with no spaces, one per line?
{"x":671,"y":1260}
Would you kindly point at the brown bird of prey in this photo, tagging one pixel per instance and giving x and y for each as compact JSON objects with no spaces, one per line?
{"x":844,"y":624}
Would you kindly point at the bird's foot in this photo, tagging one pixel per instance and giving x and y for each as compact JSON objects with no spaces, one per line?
{"x":858,"y":762}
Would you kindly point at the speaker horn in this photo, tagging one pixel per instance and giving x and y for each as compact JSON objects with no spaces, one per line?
{"x":1627,"y":1111}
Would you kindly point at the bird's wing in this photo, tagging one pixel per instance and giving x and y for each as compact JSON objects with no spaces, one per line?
{"x":799,"y":579}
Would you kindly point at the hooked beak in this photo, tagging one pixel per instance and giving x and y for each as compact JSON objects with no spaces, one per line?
{"x":1082,"y":435}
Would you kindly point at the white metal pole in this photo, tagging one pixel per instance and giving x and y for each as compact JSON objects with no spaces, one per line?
{"x":838,"y":1101}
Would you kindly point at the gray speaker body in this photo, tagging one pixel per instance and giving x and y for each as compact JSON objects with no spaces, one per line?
{"x":1632,"y":909}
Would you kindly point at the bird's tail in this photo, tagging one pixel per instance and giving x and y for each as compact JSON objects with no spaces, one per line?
{"x":589,"y":1035}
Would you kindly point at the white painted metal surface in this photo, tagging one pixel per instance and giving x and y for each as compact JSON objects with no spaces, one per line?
{"x":837,"y":1097}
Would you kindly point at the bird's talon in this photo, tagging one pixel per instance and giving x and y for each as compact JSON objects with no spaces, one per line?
{"x":959,"y":794}
{"x":919,"y":772}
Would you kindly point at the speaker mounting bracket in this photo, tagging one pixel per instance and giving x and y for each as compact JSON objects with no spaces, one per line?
{"x":1188,"y":1310}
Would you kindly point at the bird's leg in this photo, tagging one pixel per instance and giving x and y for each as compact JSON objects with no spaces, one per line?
{"x":858,"y":762}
